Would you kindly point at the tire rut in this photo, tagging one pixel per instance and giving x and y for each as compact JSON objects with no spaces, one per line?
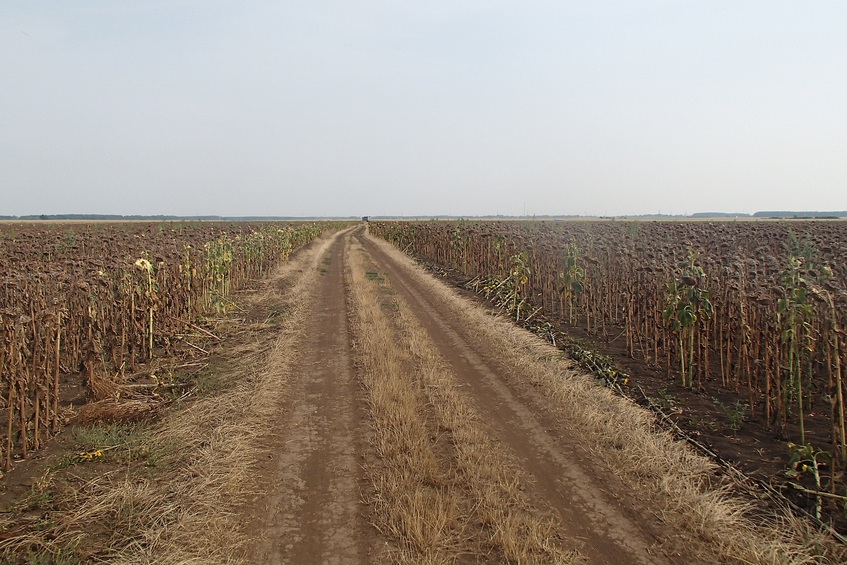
{"x":610,"y":532}
{"x":317,"y":509}
{"x":312,"y":513}
{"x":432,"y":447}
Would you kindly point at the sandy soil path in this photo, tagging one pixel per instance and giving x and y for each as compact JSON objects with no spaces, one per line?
{"x":360,"y":411}
{"x":610,"y":525}
{"x":349,"y":481}
{"x":311,"y":511}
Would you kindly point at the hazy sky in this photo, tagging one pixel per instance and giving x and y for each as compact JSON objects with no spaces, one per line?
{"x":420,"y":108}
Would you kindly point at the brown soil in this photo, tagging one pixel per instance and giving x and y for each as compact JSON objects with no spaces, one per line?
{"x":310,"y":512}
{"x":501,"y":473}
{"x":718,"y":421}
{"x":64,"y":503}
{"x":314,"y":505}
{"x":611,"y":525}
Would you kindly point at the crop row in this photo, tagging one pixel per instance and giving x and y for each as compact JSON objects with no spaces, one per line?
{"x":99,"y":300}
{"x":755,"y":307}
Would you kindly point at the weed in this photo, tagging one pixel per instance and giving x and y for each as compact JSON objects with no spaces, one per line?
{"x":38,"y":499}
{"x":119,"y":443}
{"x":67,"y":460}
{"x":94,"y":437}
{"x":706,"y":424}
{"x":735,"y":414}
{"x":666,"y":401}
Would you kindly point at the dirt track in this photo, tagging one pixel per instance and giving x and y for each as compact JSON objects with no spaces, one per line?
{"x":356,"y":409}
{"x":311,"y":513}
{"x":321,"y":504}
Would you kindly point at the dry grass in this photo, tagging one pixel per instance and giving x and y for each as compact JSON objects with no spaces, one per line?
{"x":187,"y":513}
{"x":438,"y":506}
{"x":114,"y":410}
{"x":414,"y":504}
{"x":711,"y":521}
{"x":520,"y":531}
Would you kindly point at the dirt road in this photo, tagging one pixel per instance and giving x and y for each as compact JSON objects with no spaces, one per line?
{"x":410,"y":435}
{"x":311,"y":513}
{"x":355,"y":409}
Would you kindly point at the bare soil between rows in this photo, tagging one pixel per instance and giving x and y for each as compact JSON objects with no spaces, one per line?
{"x":715,"y":420}
{"x":309,"y":490}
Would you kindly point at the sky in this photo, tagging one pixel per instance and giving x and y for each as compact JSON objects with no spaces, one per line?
{"x":459,"y":107}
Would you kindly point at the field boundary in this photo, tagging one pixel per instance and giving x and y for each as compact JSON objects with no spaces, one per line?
{"x":185,"y":508}
{"x":611,"y":376}
{"x":710,"y":514}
